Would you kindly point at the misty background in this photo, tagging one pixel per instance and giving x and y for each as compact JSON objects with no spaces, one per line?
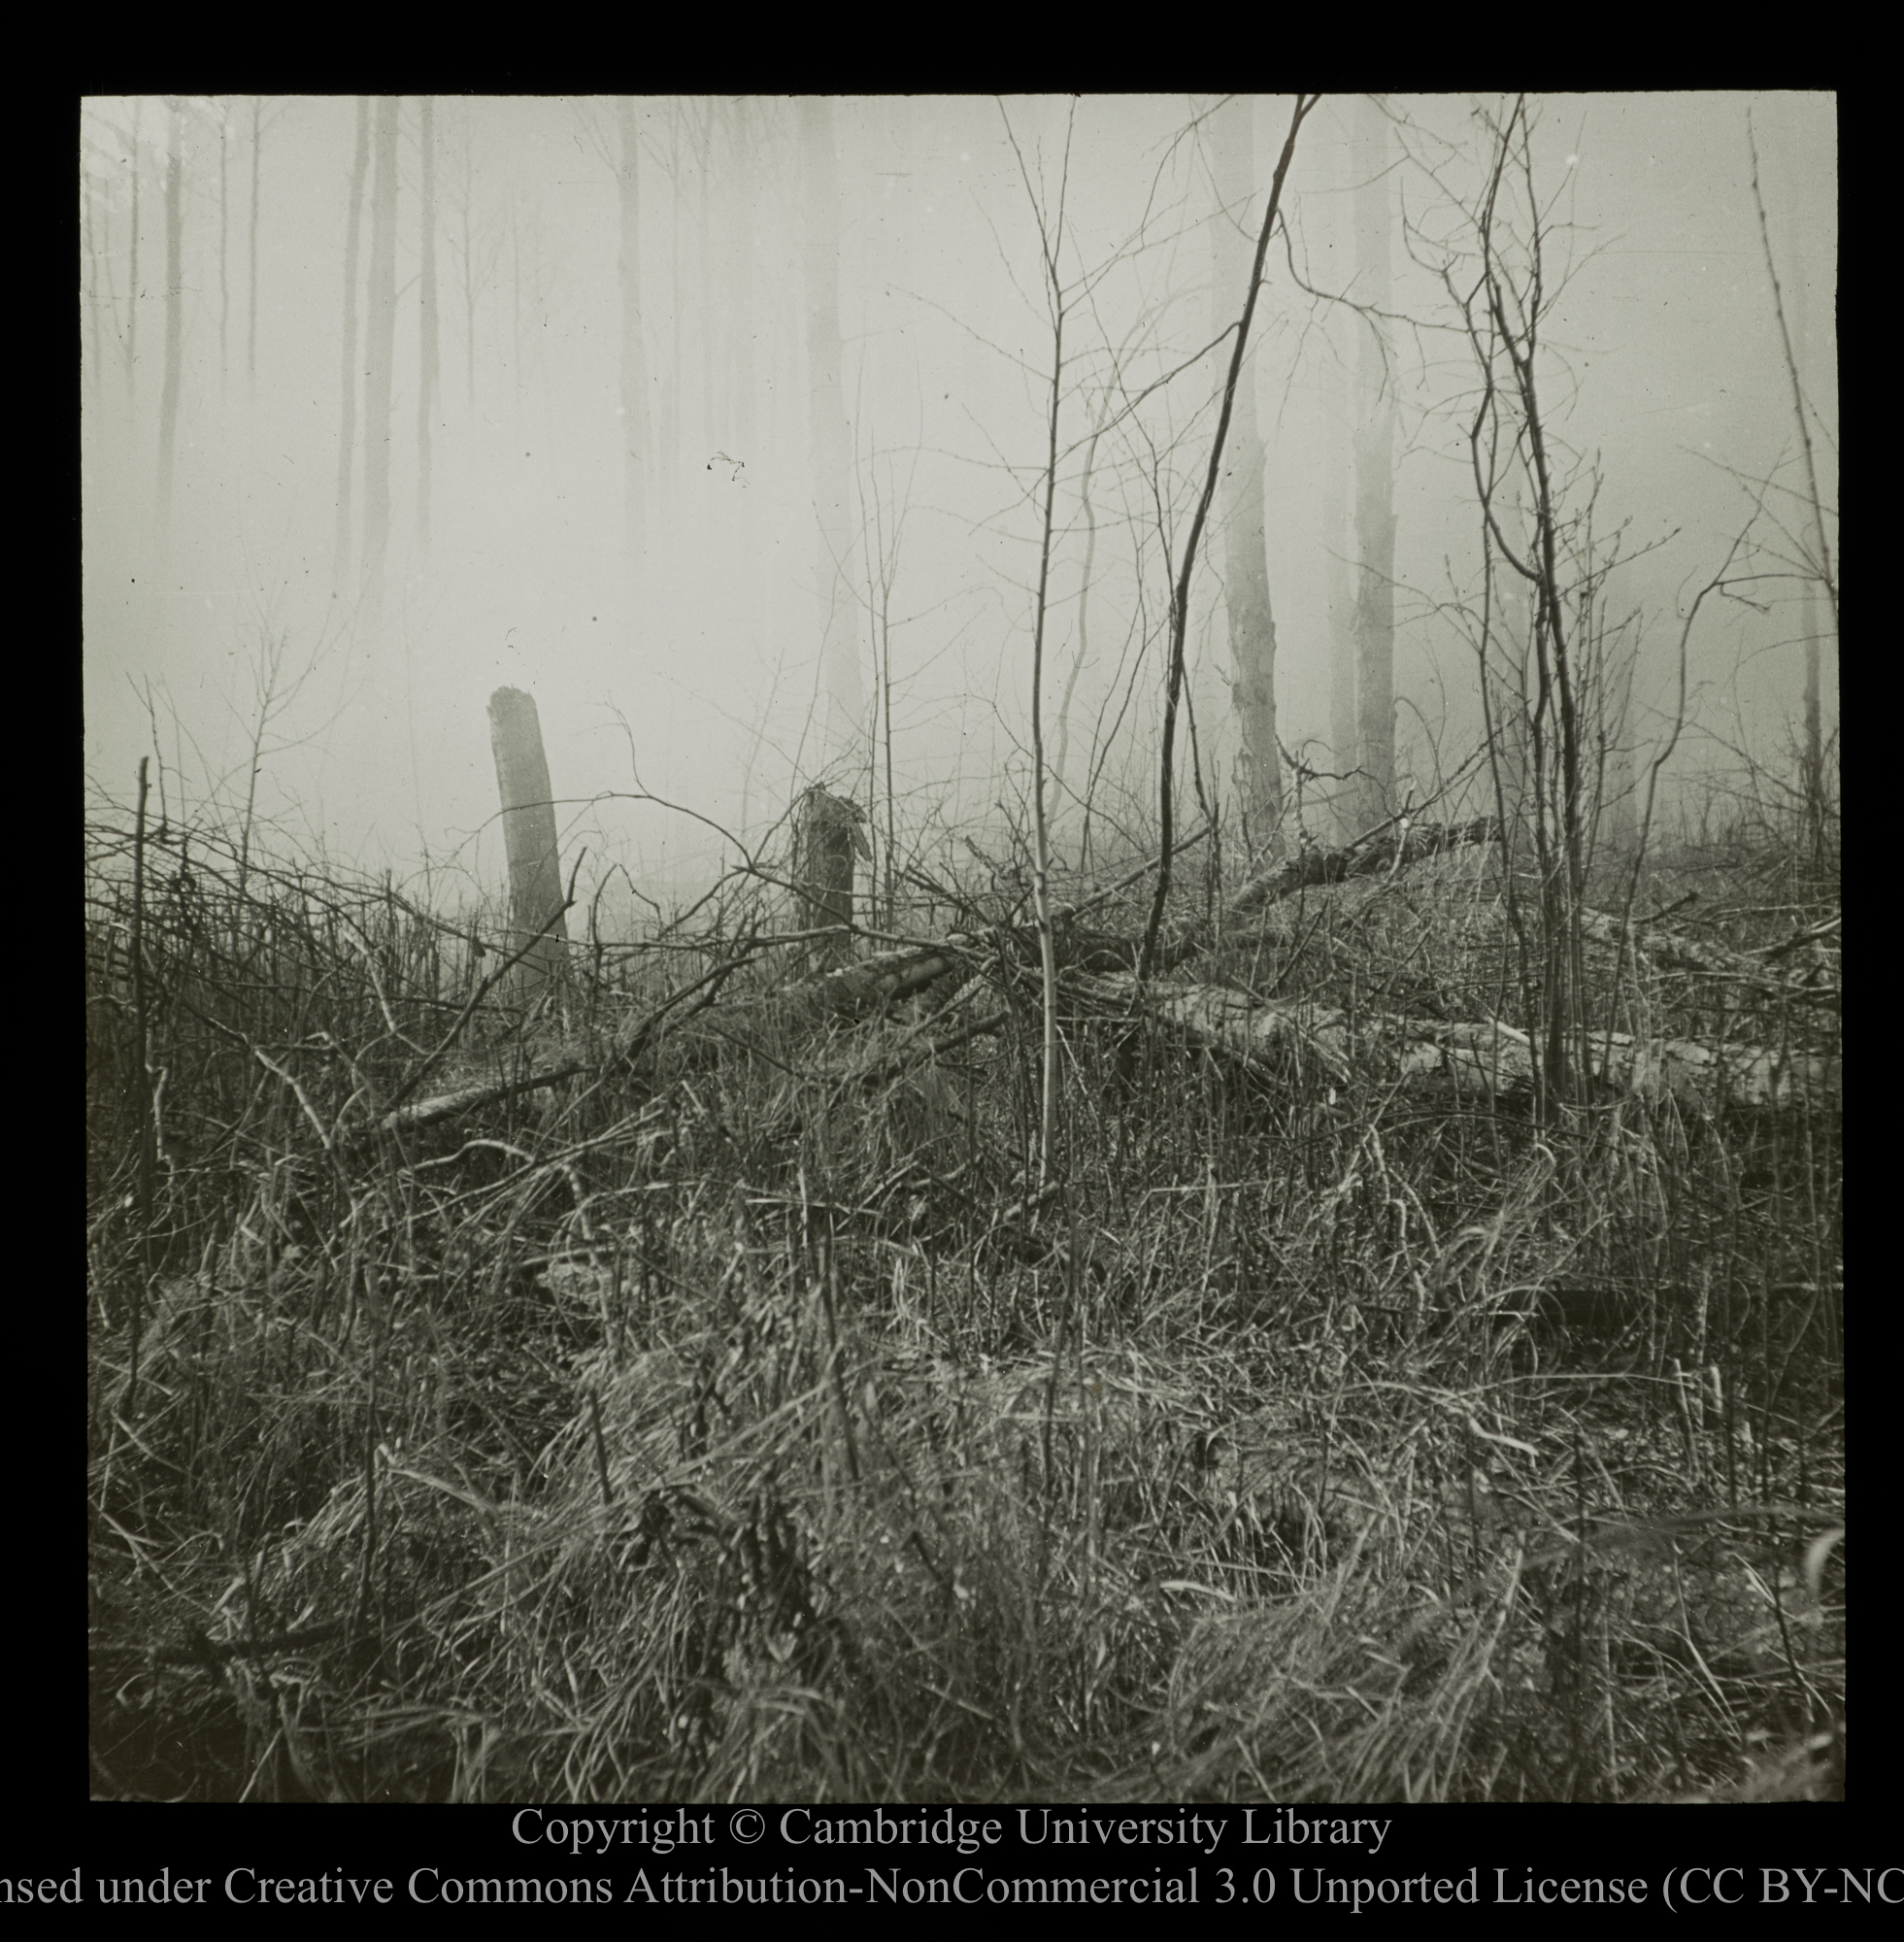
{"x":719,"y":426}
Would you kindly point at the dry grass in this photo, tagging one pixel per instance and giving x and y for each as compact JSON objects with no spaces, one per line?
{"x":735,"y":1423}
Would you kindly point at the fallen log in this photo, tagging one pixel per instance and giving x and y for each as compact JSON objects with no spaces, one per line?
{"x":1711,"y":960}
{"x":1484,"y":1059}
{"x":1494,"y":1058}
{"x":883,"y":978}
{"x":1370,"y":858}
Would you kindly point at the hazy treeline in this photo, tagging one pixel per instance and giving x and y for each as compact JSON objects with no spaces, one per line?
{"x":718,"y":425}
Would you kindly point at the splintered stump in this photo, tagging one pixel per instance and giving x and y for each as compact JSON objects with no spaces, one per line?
{"x":528,"y":824}
{"x":826,"y":838}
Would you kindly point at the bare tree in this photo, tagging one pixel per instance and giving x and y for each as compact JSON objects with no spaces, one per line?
{"x":1337,"y":461}
{"x":94,"y":237}
{"x":831,"y":447}
{"x":252,"y":252}
{"x":1375,"y":485}
{"x":1110,"y":393}
{"x":533,"y":281}
{"x":1180,"y":604}
{"x":224,"y":234}
{"x":749,"y":130}
{"x":474,"y":242}
{"x":1251,"y":621}
{"x":738,"y":301}
{"x":668,"y":426}
{"x":1505,"y":692}
{"x":429,"y":365}
{"x":347,"y":437}
{"x":110,"y":179}
{"x":275,"y":687}
{"x":132,"y":287}
{"x":714,"y":401}
{"x":1062,"y":759}
{"x":884,"y":522}
{"x":174,"y":297}
{"x":622,"y":152}
{"x":1504,"y":299}
{"x":1814,"y":546}
{"x":380,"y":355}
{"x":1051,"y":241}
{"x":634,"y":363}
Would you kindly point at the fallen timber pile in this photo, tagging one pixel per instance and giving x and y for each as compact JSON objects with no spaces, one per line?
{"x":851,"y":991}
{"x":1480,"y":1058}
{"x":869,"y":984}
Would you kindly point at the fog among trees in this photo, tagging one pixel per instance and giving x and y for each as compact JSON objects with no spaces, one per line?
{"x":723,"y":427}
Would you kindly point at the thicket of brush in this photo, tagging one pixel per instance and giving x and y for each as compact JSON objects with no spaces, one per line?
{"x":739,"y":1418}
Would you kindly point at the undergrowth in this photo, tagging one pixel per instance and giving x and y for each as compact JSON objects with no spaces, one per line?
{"x":738,"y":1416}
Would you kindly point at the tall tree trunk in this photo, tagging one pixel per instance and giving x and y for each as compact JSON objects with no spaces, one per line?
{"x":516,"y":314}
{"x":668,"y":429}
{"x":742,"y":412}
{"x":93,"y":243}
{"x":634,"y":364}
{"x":1339,"y":594}
{"x":1061,"y":755}
{"x":224,"y":278}
{"x":714,"y":408}
{"x":174,"y":297}
{"x":740,"y":285}
{"x":347,"y":437}
{"x":1338,"y":590}
{"x":429,"y":364}
{"x":1510,"y":699}
{"x":892,"y":367}
{"x":104,"y":259}
{"x":1617,"y":785}
{"x":530,"y":839}
{"x":1797,"y":306}
{"x":251,"y":256}
{"x":132,"y":305}
{"x":830,"y":445}
{"x":380,"y":347}
{"x":1375,"y":485}
{"x":1252,"y":624}
{"x":105,"y":289}
{"x":473,"y":240}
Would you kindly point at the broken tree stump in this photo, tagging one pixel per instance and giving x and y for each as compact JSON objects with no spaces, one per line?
{"x":528,"y":824}
{"x":827,"y":837}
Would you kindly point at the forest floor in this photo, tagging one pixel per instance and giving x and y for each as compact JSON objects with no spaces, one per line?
{"x":746,"y":1416}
